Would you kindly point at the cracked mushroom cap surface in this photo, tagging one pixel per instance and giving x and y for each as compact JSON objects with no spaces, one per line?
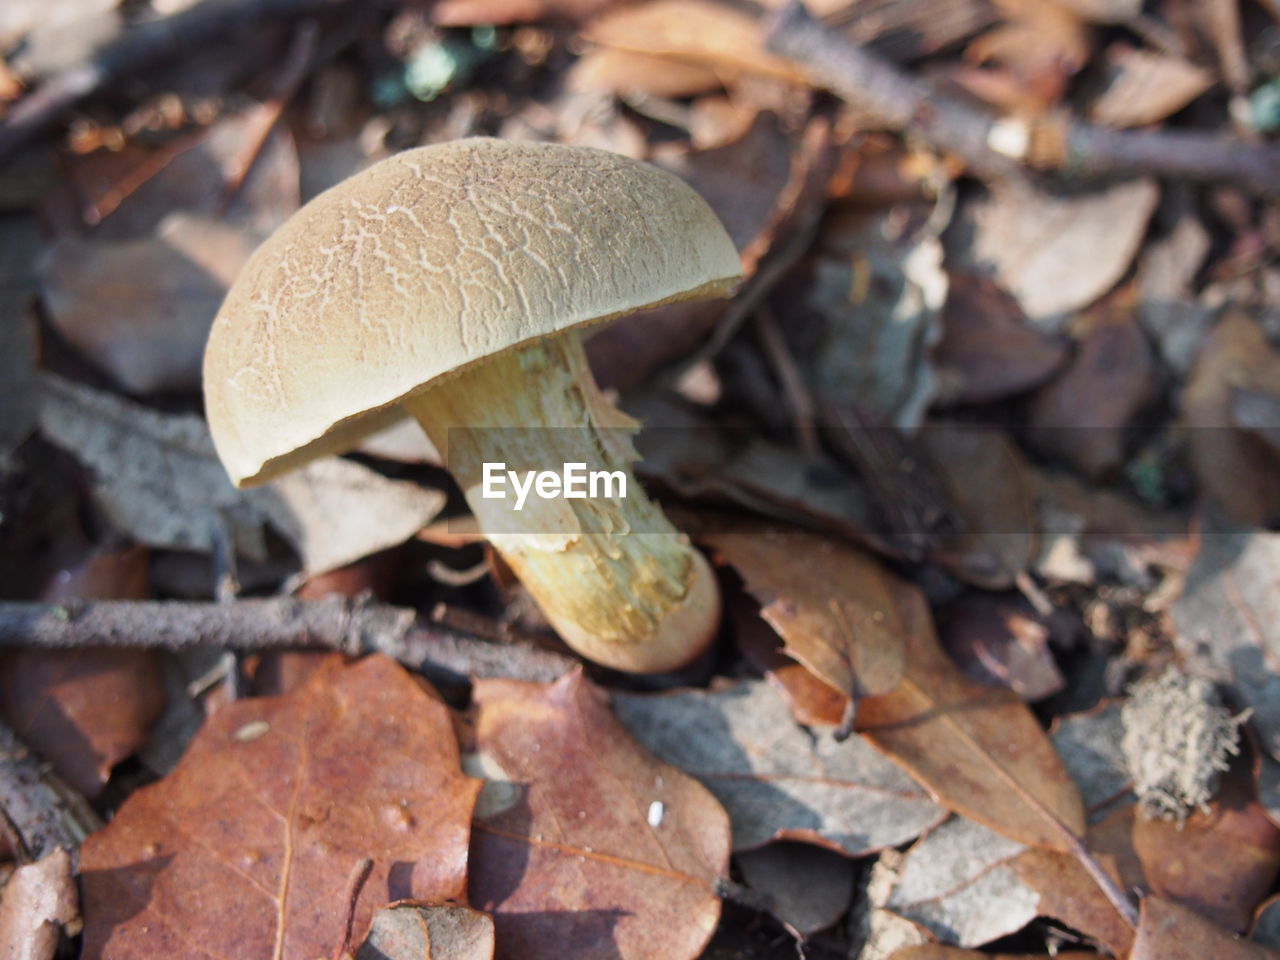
{"x":431,"y":260}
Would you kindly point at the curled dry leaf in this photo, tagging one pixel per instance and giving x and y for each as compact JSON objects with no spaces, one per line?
{"x":86,"y":710}
{"x":158,"y":478}
{"x":36,"y":904}
{"x":246,"y":848}
{"x":581,"y":837}
{"x":1167,"y":931}
{"x":775,"y":779}
{"x":835,"y":607}
{"x":979,"y":750}
{"x":408,"y":931}
{"x":1057,"y":253}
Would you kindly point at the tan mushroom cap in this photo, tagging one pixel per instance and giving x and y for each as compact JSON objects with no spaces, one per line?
{"x":431,"y":260}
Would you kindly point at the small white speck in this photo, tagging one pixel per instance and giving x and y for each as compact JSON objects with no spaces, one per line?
{"x":657,"y":810}
{"x":251,"y":731}
{"x":393,"y":209}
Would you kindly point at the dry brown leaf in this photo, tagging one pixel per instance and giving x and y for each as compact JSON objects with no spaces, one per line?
{"x":989,"y":491}
{"x":1220,"y":862}
{"x":835,"y":607}
{"x":148,"y":336}
{"x":1042,"y":45}
{"x":806,"y":887}
{"x":812,"y":702}
{"x":581,"y":837}
{"x":978,"y":749}
{"x":987,"y":351}
{"x":132,"y":190}
{"x":610,"y":70}
{"x":1082,"y":415}
{"x":705,"y":33}
{"x":86,"y":710}
{"x":1145,"y":87}
{"x":1167,"y":931}
{"x":38,"y":902}
{"x":472,"y":13}
{"x":1234,"y":467}
{"x":1068,"y":894}
{"x":246,"y":848}
{"x":407,"y":931}
{"x":1057,"y":253}
{"x":776,"y":780}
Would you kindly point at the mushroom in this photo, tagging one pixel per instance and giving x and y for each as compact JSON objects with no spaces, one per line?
{"x":451,"y":283}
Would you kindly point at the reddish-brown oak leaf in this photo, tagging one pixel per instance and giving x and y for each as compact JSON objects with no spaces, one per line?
{"x":1167,"y":931}
{"x":584,"y":844}
{"x":246,"y":849}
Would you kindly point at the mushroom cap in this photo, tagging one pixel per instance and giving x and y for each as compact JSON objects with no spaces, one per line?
{"x":431,"y":260}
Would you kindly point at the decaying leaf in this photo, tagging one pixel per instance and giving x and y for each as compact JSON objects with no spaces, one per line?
{"x":581,"y":837}
{"x":1058,"y":253}
{"x":835,"y":607}
{"x":775,"y":779}
{"x":1089,"y":744}
{"x":1167,"y":931}
{"x":978,"y":749}
{"x":958,"y":884}
{"x":37,"y":903}
{"x":86,"y":710}
{"x":407,"y":931}
{"x":148,"y":336}
{"x":806,"y":887}
{"x":158,"y":478}
{"x":246,"y":848}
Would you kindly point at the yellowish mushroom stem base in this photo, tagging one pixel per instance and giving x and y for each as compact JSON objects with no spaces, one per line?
{"x":618,"y":582}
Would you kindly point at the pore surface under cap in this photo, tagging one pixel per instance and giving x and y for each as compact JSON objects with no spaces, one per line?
{"x":428,"y":261}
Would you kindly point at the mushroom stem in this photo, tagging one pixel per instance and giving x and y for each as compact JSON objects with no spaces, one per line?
{"x":615,"y":578}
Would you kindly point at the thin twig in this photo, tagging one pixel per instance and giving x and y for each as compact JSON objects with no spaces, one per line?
{"x":1003,"y":149}
{"x":143,"y":45}
{"x":331,"y":623}
{"x":796,"y":393}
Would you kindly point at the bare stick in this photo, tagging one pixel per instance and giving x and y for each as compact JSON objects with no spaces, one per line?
{"x":999,"y":149}
{"x":40,"y":811}
{"x":331,"y":623}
